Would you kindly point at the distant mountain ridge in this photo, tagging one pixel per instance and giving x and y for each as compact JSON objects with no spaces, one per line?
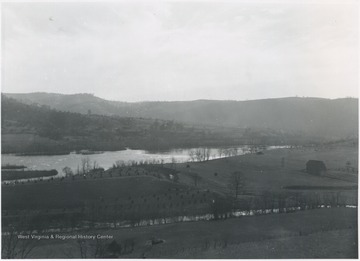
{"x":35,"y":130}
{"x":313,"y":116}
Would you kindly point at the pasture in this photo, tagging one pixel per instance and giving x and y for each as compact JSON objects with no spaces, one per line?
{"x":267,"y":173}
{"x":274,"y":179}
{"x":319,"y":230}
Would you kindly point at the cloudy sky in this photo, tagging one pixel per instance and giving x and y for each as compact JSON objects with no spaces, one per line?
{"x":182,"y":50}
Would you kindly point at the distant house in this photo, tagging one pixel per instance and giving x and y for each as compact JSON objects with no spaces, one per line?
{"x":315,"y":167}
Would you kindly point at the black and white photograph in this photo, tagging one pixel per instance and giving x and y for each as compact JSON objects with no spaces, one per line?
{"x":179,"y":129}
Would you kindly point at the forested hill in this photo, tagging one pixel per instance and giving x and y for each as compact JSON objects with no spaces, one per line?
{"x":311,"y":116}
{"x":38,"y":129}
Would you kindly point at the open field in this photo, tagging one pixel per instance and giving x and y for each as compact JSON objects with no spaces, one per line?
{"x":148,"y":192}
{"x":327,"y":233}
{"x":140,"y":186}
{"x":265,"y":172}
{"x":73,"y":194}
{"x":316,"y":245}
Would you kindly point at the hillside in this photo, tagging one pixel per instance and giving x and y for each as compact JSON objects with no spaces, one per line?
{"x":39,"y":129}
{"x":309,"y":116}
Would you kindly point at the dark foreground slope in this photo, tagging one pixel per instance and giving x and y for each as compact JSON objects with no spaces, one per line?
{"x":321,"y":233}
{"x":311,"y":116}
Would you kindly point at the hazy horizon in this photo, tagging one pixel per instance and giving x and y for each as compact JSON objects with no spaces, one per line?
{"x":200,"y":99}
{"x":182,"y":51}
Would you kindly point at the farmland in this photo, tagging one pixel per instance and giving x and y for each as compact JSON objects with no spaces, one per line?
{"x":179,"y":130}
{"x":131,"y":194}
{"x":306,"y":234}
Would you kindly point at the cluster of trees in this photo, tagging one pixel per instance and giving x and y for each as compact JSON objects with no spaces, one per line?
{"x":285,"y":201}
{"x":205,"y":154}
{"x":86,"y":166}
{"x":227,"y":152}
{"x":164,"y":125}
{"x":133,"y":163}
{"x":200,"y":154}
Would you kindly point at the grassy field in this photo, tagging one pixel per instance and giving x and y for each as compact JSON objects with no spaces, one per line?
{"x":317,"y":245}
{"x":73,"y":194}
{"x":264,"y":172}
{"x":151,"y":186}
{"x":132,"y":193}
{"x":326,"y":233}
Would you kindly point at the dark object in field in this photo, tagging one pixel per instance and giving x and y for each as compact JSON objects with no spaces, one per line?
{"x":259,"y":153}
{"x":315,"y":167}
{"x":155,"y":241}
{"x":26,"y":174}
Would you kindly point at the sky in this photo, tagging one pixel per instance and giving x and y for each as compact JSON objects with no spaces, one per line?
{"x":182,"y":50}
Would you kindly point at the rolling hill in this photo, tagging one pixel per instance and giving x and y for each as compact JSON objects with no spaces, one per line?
{"x":37,"y":129}
{"x":328,"y":118}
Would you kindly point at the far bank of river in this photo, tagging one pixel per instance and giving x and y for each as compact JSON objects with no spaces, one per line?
{"x":106,"y":159}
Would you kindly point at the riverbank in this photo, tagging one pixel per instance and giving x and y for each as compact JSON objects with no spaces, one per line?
{"x":129,"y":195}
{"x":9,"y":175}
{"x":107,"y":159}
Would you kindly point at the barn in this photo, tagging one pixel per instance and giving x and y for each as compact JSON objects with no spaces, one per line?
{"x":315,"y":167}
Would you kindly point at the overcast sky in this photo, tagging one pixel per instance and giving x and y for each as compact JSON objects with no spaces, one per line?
{"x":185,"y":50}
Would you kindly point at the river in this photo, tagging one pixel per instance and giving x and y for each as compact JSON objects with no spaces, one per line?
{"x":106,"y":159}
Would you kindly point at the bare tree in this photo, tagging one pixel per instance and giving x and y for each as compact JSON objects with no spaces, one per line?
{"x":207,"y":152}
{"x":68,"y":171}
{"x":85,"y":165}
{"x":198,"y":155}
{"x":95,"y":165}
{"x":220,"y":152}
{"x":192,"y":155}
{"x":236,"y":182}
{"x":233,"y":152}
{"x":12,"y":246}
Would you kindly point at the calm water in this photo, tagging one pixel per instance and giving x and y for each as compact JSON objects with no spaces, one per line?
{"x":106,"y":159}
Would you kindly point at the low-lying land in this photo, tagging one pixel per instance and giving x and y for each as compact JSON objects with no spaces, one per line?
{"x":127,"y":195}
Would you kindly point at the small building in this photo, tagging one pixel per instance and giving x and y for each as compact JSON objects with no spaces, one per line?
{"x":315,"y":167}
